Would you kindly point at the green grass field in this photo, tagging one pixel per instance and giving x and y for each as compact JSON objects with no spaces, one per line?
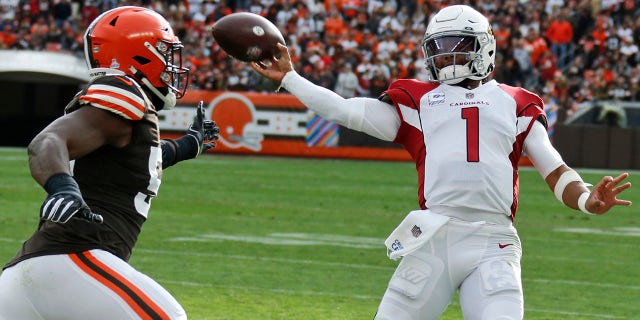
{"x":237,"y":237}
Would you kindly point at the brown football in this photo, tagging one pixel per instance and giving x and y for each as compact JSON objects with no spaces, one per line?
{"x":247,"y":36}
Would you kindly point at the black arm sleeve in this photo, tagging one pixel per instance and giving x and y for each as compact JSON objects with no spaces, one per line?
{"x":174,"y":151}
{"x":168,"y":152}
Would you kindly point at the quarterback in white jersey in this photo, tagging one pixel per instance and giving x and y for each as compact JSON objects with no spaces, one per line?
{"x":466,"y":135}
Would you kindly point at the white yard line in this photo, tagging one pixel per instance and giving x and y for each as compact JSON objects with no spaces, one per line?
{"x":584,"y":283}
{"x":590,"y":243}
{"x":299,"y":239}
{"x":621,"y":231}
{"x":270,"y":259}
{"x":527,"y":257}
{"x":286,"y":291}
{"x":575,"y":314}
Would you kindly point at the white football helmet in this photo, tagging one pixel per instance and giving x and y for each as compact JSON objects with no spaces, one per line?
{"x":459,"y":31}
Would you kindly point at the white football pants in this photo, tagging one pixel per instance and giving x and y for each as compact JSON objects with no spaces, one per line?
{"x":479,"y":259}
{"x":90,"y":285}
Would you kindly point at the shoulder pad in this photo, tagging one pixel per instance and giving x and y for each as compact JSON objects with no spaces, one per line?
{"x":119,"y":94}
{"x":410,"y":90}
{"x":523,"y":97}
{"x":527,"y":103}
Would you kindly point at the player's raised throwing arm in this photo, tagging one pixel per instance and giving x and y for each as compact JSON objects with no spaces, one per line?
{"x":371,"y":116}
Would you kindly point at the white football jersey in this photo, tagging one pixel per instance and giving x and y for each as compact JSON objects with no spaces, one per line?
{"x":466,"y":143}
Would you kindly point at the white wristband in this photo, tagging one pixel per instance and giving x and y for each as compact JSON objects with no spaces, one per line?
{"x":564,"y":180}
{"x":582,"y":202}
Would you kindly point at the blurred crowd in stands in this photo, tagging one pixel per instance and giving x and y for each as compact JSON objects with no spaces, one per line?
{"x":567,"y":51}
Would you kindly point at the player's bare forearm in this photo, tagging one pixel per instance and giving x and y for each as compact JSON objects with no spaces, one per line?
{"x":571,"y":191}
{"x":48,"y":155}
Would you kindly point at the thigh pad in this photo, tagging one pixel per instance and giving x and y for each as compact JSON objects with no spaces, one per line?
{"x":500,"y":275}
{"x":417,"y":277}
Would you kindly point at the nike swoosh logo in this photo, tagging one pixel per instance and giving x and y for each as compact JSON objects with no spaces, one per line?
{"x":502,"y":246}
{"x":125,"y":80}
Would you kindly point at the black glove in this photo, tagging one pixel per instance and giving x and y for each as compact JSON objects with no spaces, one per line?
{"x":204,"y":131}
{"x":200,"y":137}
{"x":65,"y":201}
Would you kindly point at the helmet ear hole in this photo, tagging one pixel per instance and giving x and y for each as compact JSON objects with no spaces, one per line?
{"x":141,"y":60}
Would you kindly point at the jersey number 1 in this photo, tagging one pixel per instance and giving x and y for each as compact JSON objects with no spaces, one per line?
{"x":473,"y":133}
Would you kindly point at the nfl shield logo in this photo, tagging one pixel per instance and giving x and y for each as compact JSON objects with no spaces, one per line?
{"x":469,"y":95}
{"x":415,"y":231}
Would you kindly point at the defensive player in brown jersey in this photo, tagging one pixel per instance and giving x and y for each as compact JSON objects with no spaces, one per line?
{"x":101,"y":164}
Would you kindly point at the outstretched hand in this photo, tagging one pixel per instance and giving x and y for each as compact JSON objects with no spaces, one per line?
{"x":275,"y":69}
{"x":604,"y":194}
{"x":204,"y":131}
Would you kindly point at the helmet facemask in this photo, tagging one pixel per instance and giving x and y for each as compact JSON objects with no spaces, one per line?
{"x":174,"y":77}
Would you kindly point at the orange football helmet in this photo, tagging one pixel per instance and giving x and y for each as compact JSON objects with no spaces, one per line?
{"x":141,"y":43}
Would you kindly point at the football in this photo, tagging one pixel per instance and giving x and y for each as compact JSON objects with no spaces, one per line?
{"x":247,"y":36}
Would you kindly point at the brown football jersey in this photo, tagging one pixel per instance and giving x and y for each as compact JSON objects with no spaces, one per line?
{"x":117,"y":183}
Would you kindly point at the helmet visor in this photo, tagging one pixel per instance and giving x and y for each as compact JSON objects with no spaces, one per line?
{"x":449,"y":44}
